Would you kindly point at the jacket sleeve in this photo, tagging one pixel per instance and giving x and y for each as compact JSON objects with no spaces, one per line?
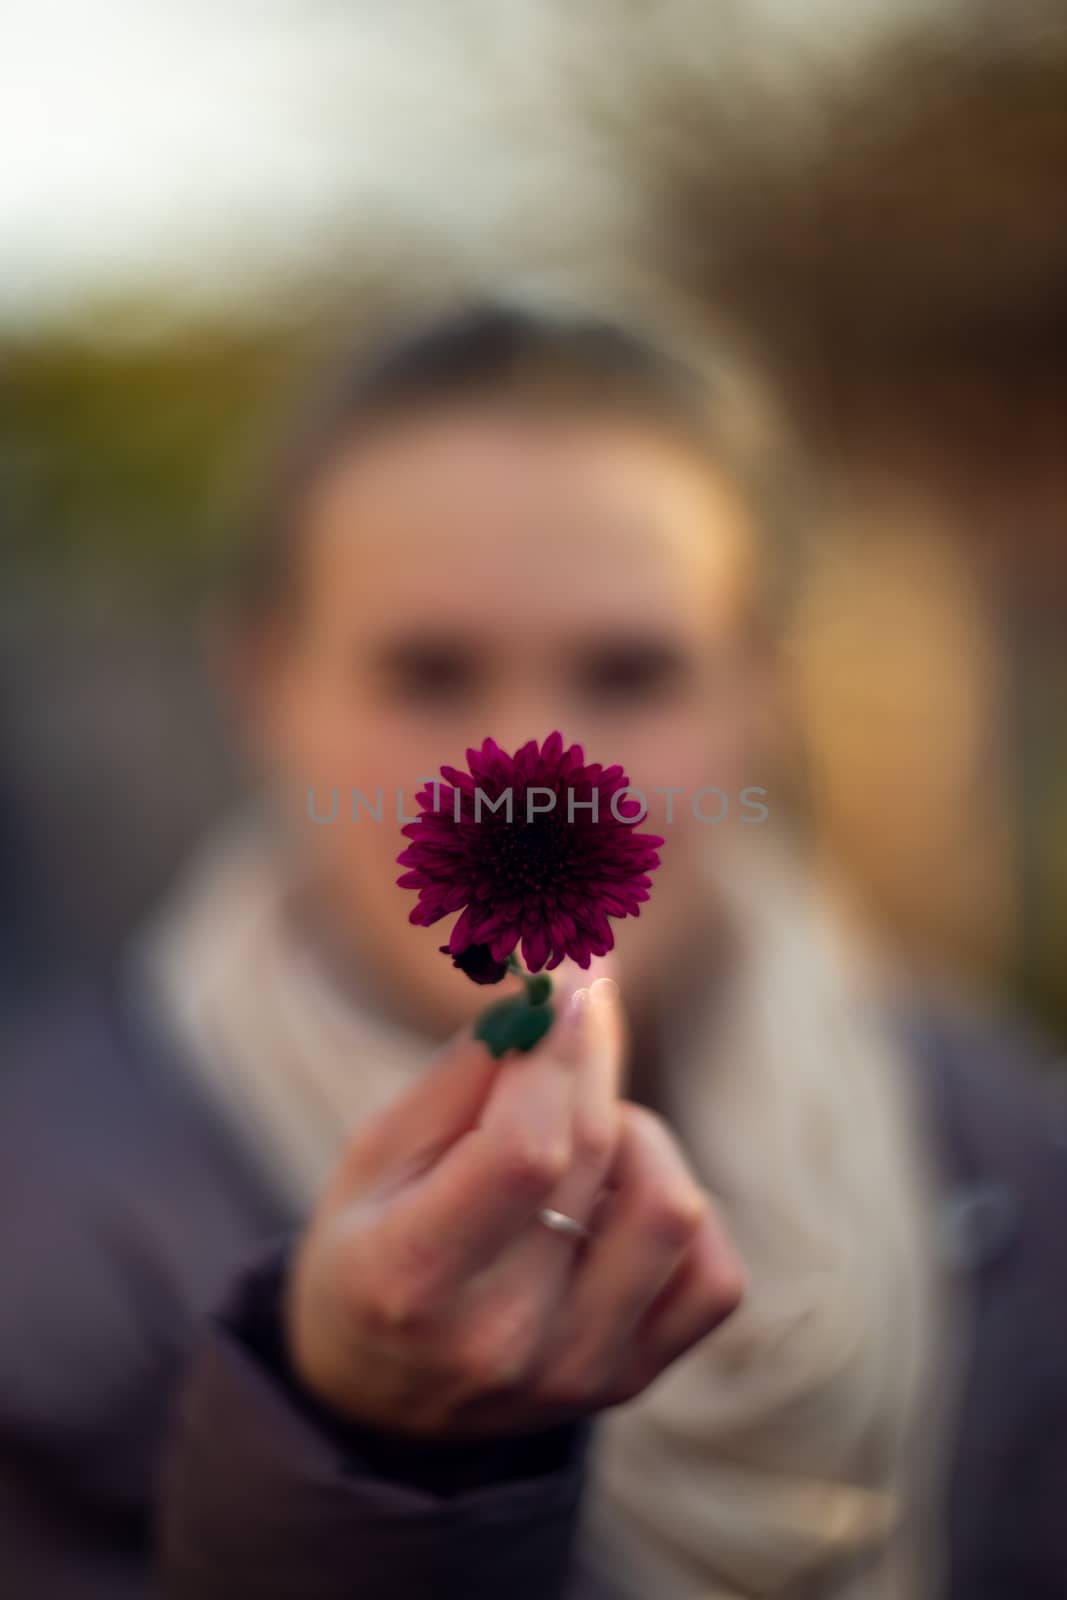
{"x":267,"y":1497}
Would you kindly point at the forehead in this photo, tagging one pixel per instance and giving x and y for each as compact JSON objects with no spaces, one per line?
{"x":482,"y":520}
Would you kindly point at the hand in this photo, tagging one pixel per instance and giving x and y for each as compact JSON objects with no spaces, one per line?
{"x":427,"y":1297}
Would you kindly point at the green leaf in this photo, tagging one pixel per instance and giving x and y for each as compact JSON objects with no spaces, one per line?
{"x":513,"y":1024}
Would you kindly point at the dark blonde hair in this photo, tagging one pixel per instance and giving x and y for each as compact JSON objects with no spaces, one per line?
{"x":492,"y":352}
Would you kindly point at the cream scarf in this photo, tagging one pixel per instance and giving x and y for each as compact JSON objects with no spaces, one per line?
{"x":796,"y":1452}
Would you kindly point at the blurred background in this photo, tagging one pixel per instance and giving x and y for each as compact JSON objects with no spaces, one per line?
{"x":852,"y":210}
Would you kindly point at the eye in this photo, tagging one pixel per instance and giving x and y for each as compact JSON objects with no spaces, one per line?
{"x":632,"y":672}
{"x":425,"y":672}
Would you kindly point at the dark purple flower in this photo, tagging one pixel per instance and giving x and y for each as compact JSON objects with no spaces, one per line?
{"x":549,"y":878}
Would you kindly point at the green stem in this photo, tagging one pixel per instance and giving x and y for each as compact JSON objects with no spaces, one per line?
{"x":538,"y":984}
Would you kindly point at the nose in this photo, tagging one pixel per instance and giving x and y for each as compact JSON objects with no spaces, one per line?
{"x":534,"y":716}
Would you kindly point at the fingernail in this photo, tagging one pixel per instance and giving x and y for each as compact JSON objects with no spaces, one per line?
{"x":604,"y":991}
{"x":576,"y":1007}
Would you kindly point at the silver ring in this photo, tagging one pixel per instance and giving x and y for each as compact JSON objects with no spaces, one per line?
{"x":559,"y":1222}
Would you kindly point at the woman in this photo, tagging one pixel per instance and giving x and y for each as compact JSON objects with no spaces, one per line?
{"x":807,"y":1238}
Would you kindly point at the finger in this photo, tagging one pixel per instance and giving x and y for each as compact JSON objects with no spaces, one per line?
{"x":540,"y":1263}
{"x":644,"y":1231}
{"x":490,"y":1183}
{"x":705,"y":1289}
{"x":596,"y":1029}
{"x":599,"y":1074}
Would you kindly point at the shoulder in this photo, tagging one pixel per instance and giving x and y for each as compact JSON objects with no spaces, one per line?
{"x":121,"y":1215}
{"x":95,"y":1113}
{"x":998,"y":1097}
{"x":75,"y":1126}
{"x":998,"y":1117}
{"x":64,"y":1076}
{"x":92,"y":1093}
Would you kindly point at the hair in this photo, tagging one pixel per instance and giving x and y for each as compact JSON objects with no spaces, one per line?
{"x":486,"y":352}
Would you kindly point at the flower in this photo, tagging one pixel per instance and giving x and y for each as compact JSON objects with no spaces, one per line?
{"x":543,"y":871}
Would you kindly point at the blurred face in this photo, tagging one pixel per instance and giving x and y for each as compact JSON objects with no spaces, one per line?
{"x":478,"y":573}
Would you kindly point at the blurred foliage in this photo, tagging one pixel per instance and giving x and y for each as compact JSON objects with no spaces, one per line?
{"x":121,"y":461}
{"x":899,"y":205}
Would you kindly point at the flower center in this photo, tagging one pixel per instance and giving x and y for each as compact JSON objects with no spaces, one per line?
{"x":527,"y":857}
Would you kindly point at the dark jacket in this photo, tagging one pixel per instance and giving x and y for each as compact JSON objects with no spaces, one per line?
{"x":152,"y":1444}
